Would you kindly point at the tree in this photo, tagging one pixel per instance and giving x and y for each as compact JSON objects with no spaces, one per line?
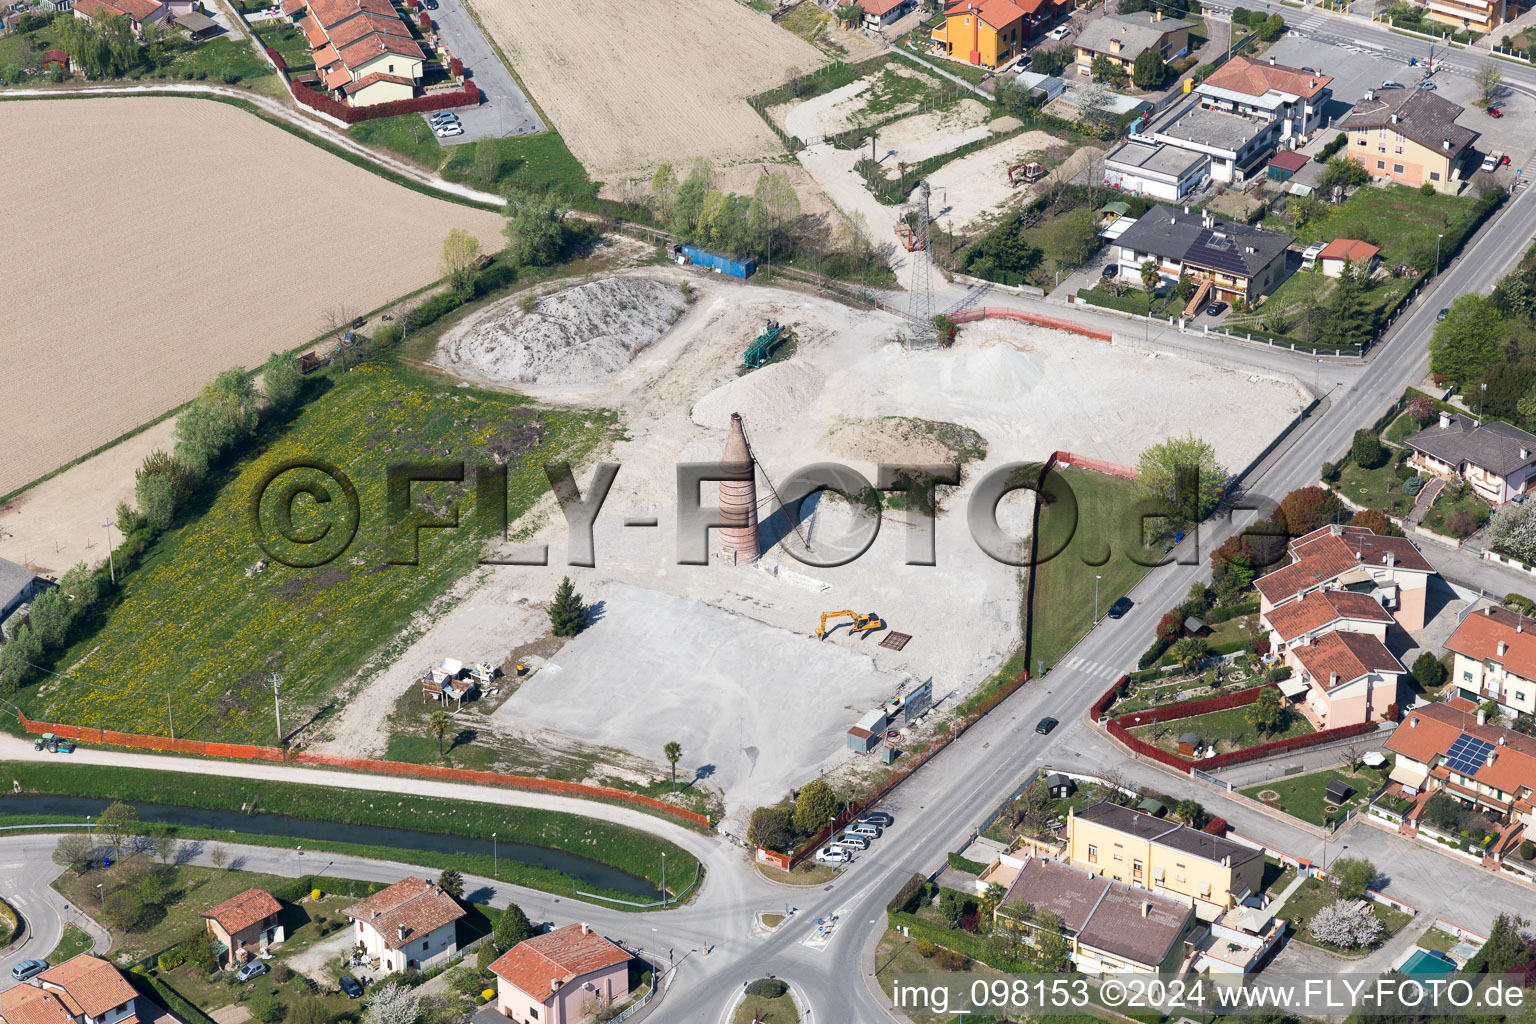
{"x":1488,"y":77}
{"x":511,"y":928}
{"x":567,"y":613}
{"x":535,"y":228}
{"x":451,"y":882}
{"x":1507,"y":949}
{"x":1307,"y":508}
{"x":1150,"y":276}
{"x":1342,"y":926}
{"x":1512,"y":532}
{"x":814,"y":807}
{"x":488,"y":160}
{"x":1428,"y":671}
{"x":1270,"y":29}
{"x":119,"y":825}
{"x":75,"y":852}
{"x":438,"y":724}
{"x":1469,"y":342}
{"x":1377,"y":522}
{"x":1191,"y":813}
{"x":1181,"y":475}
{"x":1051,"y":60}
{"x":223,"y":414}
{"x":1421,"y":410}
{"x":673,"y":752}
{"x":1103,"y":68}
{"x":1343,"y":172}
{"x":1149,"y":71}
{"x":1355,"y":875}
{"x":164,"y":844}
{"x":1093,"y":105}
{"x":393,"y":1003}
{"x":1366,"y":450}
{"x":1346,"y":320}
{"x":991,"y":898}
{"x":664,"y":190}
{"x":156,"y":500}
{"x":49,"y":617}
{"x":123,"y":909}
{"x":775,"y":206}
{"x":152,"y":890}
{"x":1191,"y":651}
{"x":1267,"y":714}
{"x":1052,"y":955}
{"x":770,"y":828}
{"x":1071,"y":239}
{"x":281,"y":380}
{"x":1442,"y":810}
{"x":218,"y":856}
{"x":461,"y":251}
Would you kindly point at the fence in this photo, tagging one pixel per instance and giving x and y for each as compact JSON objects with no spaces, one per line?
{"x":1039,"y":320}
{"x":243,"y":752}
{"x":1189,"y":709}
{"x":1094,"y":465}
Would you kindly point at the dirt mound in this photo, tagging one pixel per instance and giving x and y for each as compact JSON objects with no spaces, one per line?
{"x":574,"y":336}
{"x":776,"y":393}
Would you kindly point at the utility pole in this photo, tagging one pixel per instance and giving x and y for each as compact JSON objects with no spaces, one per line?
{"x":663,"y":878}
{"x":277,"y":705}
{"x":111,"y":562}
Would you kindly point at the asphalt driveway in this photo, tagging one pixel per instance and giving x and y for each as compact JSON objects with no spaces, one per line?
{"x":504,"y":110}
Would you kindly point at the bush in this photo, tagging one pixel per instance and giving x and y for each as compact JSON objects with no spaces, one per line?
{"x":1413,"y":485}
{"x":1428,"y":670}
{"x":1463,"y":524}
{"x":1527,"y":850}
{"x":768,"y":988}
{"x":171,"y":958}
{"x":1366,"y":450}
{"x":1279,"y":672}
{"x":1333,"y":146}
{"x":1217,"y":826}
{"x":910,"y":896}
{"x":1329,"y":473}
{"x":925,"y":949}
{"x":949,"y":960}
{"x":1520,"y":603}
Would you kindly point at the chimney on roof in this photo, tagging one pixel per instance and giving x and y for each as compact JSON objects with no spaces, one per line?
{"x":1501,"y":739}
{"x":1491,"y":756}
{"x":400,"y":932}
{"x":375,"y":915}
{"x":1146,"y":909}
{"x":1333,"y":680}
{"x":1157,"y":14}
{"x":1502,"y":648}
{"x":1482,"y":716}
{"x":554,"y":984}
{"x":584,"y":929}
{"x":1446,"y":144}
{"x":1525,"y":453}
{"x":1413,"y":721}
{"x":1314,"y":84}
{"x":1488,"y":610}
{"x":1445,"y":419}
{"x":1394,"y":119}
{"x":1359,"y":556}
{"x":1271,"y":60}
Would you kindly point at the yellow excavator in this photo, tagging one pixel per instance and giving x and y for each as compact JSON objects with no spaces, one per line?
{"x":865,"y":624}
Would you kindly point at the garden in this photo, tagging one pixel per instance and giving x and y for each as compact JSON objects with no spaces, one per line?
{"x":1304,"y":796}
{"x":766,"y":1001}
{"x":1319,"y":914}
{"x":101,"y":54}
{"x":1224,"y":731}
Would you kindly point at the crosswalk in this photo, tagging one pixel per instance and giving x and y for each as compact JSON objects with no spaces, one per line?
{"x":1092,"y":668}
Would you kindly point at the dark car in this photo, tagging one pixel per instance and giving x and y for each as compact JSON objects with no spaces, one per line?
{"x":1046,"y":725}
{"x":1216,"y":309}
{"x":1311,"y":70}
{"x":350,"y":986}
{"x":879,"y":818}
{"x":1442,"y":315}
{"x":1111,"y":270}
{"x":1120,"y":607}
{"x":28,"y":969}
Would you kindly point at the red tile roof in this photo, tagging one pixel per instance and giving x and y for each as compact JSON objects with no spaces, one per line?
{"x":331,"y":13}
{"x":1479,"y":635}
{"x":1350,"y":249}
{"x":419,"y":906}
{"x":353,"y":29}
{"x":56,"y":57}
{"x":373,"y":46}
{"x":1288,"y":160}
{"x":540,"y":966}
{"x":92,"y":982}
{"x":997,"y":13}
{"x":1426,"y":734}
{"x":27,"y":1005}
{"x":880,"y":8}
{"x":1321,"y":607}
{"x":238,"y":913}
{"x":1256,"y":77}
{"x":1350,"y":655}
{"x":1330,"y":551}
{"x":353,"y":88}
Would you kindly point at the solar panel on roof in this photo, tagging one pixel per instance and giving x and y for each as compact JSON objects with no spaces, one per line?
{"x":1468,"y":754}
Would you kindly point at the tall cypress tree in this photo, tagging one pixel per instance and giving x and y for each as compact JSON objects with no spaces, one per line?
{"x":568,"y":613}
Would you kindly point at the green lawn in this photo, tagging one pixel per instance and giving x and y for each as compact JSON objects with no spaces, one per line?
{"x":1102,"y":531}
{"x":406,"y":135}
{"x":1228,"y":730}
{"x":755,"y":1009}
{"x":1133,"y":299}
{"x":290,"y":44}
{"x":538,"y":162}
{"x":1313,"y":895}
{"x":222,"y":59}
{"x":1402,"y":221}
{"x":627,"y":849}
{"x":1277,"y":875}
{"x":1313,"y":284}
{"x":1437,"y":940}
{"x":808,"y":21}
{"x":1377,"y":488}
{"x":1301,"y":796}
{"x":1445,"y":507}
{"x":198,"y":618}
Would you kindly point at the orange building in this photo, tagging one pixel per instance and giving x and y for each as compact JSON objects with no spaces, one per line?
{"x":989,"y":33}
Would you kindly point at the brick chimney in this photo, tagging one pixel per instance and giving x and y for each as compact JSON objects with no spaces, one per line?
{"x":400,"y":932}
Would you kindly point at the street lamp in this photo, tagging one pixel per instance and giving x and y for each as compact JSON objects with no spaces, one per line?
{"x":1096,"y":598}
{"x":1437,"y":254}
{"x":495,"y":858}
{"x":1482,"y":398}
{"x":111,"y":562}
{"x":101,"y":895}
{"x":663,"y":878}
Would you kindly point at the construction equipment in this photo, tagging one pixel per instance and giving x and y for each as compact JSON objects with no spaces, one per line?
{"x":909,"y":239}
{"x":761,"y":350}
{"x":1020,"y":174}
{"x":865,"y":624}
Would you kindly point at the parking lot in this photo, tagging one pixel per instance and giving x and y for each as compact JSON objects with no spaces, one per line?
{"x":504,"y":110}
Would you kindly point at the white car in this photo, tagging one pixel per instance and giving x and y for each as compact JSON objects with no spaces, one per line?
{"x":833,"y":854}
{"x":1060,"y":32}
{"x":448,"y":131}
{"x":855,"y":842}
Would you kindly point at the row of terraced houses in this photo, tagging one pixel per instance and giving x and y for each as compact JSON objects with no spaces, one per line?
{"x":364,"y":52}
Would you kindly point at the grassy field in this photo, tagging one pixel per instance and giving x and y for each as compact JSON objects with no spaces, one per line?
{"x":1438,"y":517}
{"x":1064,"y":585}
{"x":72,"y":943}
{"x":290,"y":44}
{"x":1226,"y":730}
{"x":1435,"y":939}
{"x":539,"y":162}
{"x":627,"y":849}
{"x":761,"y":1010}
{"x":1277,"y":875}
{"x":1301,"y":796}
{"x":1402,"y":221}
{"x":1377,"y":488}
{"x":199,"y":618}
{"x":1313,"y":895}
{"x":1314,"y":284}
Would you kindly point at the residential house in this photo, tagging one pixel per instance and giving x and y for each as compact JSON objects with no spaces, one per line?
{"x":1409,"y":136}
{"x":1298,"y":623}
{"x":1292,"y":99}
{"x":1362,"y":256}
{"x":1206,"y":872}
{"x":1121,"y":38}
{"x":1473,"y":15}
{"x":1350,"y":678}
{"x":561,"y":976}
{"x":880,"y":13}
{"x":1228,"y":261}
{"x":1238,"y":146}
{"x":1495,"y":659}
{"x":364,"y":53}
{"x":82,"y":990}
{"x":138,"y":12}
{"x":1241,"y":941}
{"x":1497,"y":459}
{"x":244,"y":925}
{"x":18,"y":586}
{"x":409,"y":926}
{"x":1353,"y":558}
{"x":1110,"y":927}
{"x":1441,"y":748}
{"x":1163,"y":172}
{"x":987,"y":33}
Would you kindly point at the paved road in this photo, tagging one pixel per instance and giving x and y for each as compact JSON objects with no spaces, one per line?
{"x":25,"y":873}
{"x":505,"y":110}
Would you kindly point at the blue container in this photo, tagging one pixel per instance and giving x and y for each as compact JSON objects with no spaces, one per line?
{"x":742,"y":269}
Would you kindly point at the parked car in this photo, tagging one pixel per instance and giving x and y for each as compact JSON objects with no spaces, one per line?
{"x":866,"y":829}
{"x":443,"y":115}
{"x":1110,"y":271}
{"x":1216,"y":309}
{"x":350,"y":986}
{"x":1309,"y":70}
{"x":1061,"y":32}
{"x":28,"y":969}
{"x":1022,"y":65}
{"x":1442,"y":315}
{"x":880,"y":818}
{"x":430,"y":5}
{"x":448,"y":131}
{"x":833,"y":854}
{"x":254,"y":969}
{"x":853,"y":841}
{"x":1120,"y":607}
{"x":1425,"y":83}
{"x":1393,"y":85}
{"x":1046,"y":725}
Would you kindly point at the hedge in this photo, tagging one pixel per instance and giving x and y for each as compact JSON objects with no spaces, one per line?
{"x":959,"y":863}
{"x":1119,"y":732}
{"x":170,"y":998}
{"x":1281,"y":746}
{"x":467,"y":97}
{"x":1232,"y":611}
{"x":1191,"y":708}
{"x":1103,"y":703}
{"x":973,"y":946}
{"x":910,"y":896}
{"x":1333,"y":146}
{"x":299,"y":888}
{"x":1152,"y":654}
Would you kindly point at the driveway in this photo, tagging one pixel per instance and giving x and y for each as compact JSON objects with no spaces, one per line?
{"x":504,"y":109}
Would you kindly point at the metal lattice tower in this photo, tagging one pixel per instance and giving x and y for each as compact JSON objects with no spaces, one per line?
{"x":920,"y":302}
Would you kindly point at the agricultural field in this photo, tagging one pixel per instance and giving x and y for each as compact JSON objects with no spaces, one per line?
{"x":623,"y":115}
{"x":207,"y":616}
{"x":140,"y":269}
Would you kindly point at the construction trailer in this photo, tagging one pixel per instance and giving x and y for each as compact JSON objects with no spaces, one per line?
{"x":868,"y":732}
{"x":692,"y":254}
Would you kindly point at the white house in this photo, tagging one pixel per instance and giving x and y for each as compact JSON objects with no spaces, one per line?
{"x":1163,"y":172}
{"x":1292,"y":99}
{"x":82,"y":990}
{"x":880,"y":13}
{"x":410,"y":926}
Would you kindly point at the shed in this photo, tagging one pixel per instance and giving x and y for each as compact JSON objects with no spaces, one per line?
{"x":1110,"y":212}
{"x":1152,"y":807}
{"x":1338,"y":791}
{"x":1283,"y":165}
{"x":867,"y":731}
{"x":1195,"y":627}
{"x":1190,"y":744}
{"x":58,"y":57}
{"x":198,"y":26}
{"x":1059,"y":785}
{"x":18,"y":586}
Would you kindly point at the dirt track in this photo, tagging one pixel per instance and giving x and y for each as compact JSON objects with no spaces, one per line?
{"x":633,"y":83}
{"x":191,"y":237}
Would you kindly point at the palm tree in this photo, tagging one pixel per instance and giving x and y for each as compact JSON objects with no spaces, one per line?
{"x":438,"y":723}
{"x":1191,"y":651}
{"x":1150,"y":277}
{"x":673,"y":752}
